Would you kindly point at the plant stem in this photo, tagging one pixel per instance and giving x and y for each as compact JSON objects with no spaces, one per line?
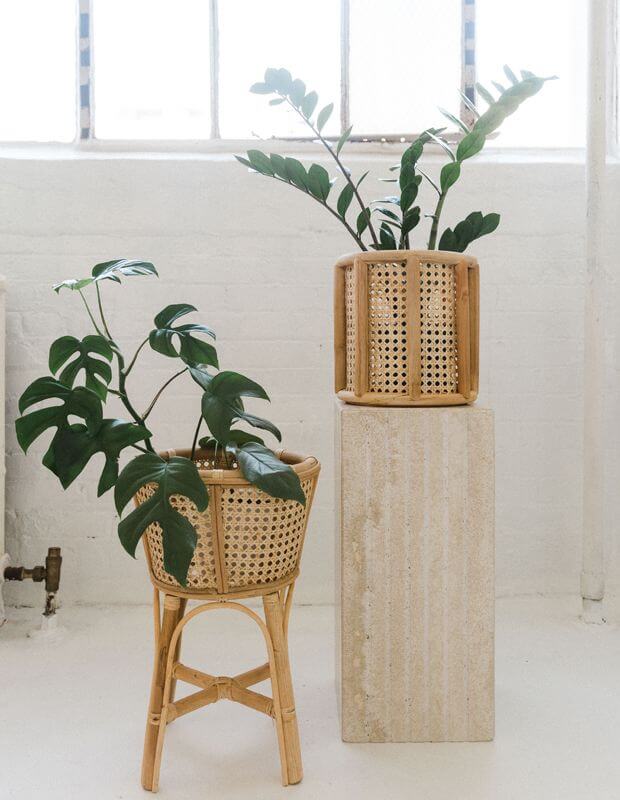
{"x":122,"y":393}
{"x":196,"y":437}
{"x":141,"y":449}
{"x":92,"y":319}
{"x":105,"y":324}
{"x":439,"y":208}
{"x":341,"y":167}
{"x":133,"y":360}
{"x":157,"y":396}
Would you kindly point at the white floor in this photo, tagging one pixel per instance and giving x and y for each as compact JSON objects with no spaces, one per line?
{"x":72,"y":711}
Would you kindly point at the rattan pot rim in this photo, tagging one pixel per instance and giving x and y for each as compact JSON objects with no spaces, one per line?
{"x":304,"y":466}
{"x":396,"y":255}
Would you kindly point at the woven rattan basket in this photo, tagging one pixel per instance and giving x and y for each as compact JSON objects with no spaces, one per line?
{"x":247,"y":542}
{"x":406,"y":328}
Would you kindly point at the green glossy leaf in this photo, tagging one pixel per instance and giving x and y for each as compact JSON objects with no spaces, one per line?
{"x":318,"y":181}
{"x":448,"y":241}
{"x":309,"y":104}
{"x":386,"y":237}
{"x":362,"y":221}
{"x":410,"y":220}
{"x":468,"y":103}
{"x":324,"y":114}
{"x":344,"y":200}
{"x":357,"y":185}
{"x":444,"y":146}
{"x":280,"y":80}
{"x":485,"y":94}
{"x":455,"y":120}
{"x":470,"y":145}
{"x":177,"y":476}
{"x":490,"y":223}
{"x":263,"y":469}
{"x":296,"y":173}
{"x":245,"y":162}
{"x":464,"y":233}
{"x":510,"y":74}
{"x":260,"y":162}
{"x":261,"y":88}
{"x":501,"y":89}
{"x":98,"y":372}
{"x":409,"y":194}
{"x":278,"y":165}
{"x":343,"y":139}
{"x":449,"y":175}
{"x":297,"y":92}
{"x":277,"y":101}
{"x":191,"y":350}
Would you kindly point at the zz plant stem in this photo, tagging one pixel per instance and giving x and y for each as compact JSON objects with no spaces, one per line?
{"x":395,"y":231}
{"x":81,"y":374}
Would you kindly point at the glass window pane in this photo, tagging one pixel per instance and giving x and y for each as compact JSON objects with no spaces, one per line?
{"x":546,"y":38}
{"x":303,"y":37}
{"x":151,"y":69}
{"x":405,"y":61}
{"x":38,"y":89}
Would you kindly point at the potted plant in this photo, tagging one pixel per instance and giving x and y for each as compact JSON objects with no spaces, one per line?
{"x":406,"y":320}
{"x":186,"y":499}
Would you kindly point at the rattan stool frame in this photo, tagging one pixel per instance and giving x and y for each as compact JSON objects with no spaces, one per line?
{"x":406,"y":328}
{"x":171,"y":621}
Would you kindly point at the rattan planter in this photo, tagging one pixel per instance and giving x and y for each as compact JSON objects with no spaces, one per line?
{"x":248,"y":541}
{"x":406,"y":328}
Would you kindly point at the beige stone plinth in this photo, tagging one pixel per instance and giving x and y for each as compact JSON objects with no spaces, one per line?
{"x":415,"y":495}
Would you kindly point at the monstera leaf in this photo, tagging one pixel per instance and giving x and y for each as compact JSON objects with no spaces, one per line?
{"x":262,"y":468}
{"x":111,"y":271}
{"x":175,"y":476}
{"x":222,"y":405}
{"x":74,"y":446}
{"x":191,"y":350}
{"x":79,"y":402}
{"x":98,"y":373}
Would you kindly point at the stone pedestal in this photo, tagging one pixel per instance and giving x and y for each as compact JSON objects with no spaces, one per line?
{"x":415,"y":496}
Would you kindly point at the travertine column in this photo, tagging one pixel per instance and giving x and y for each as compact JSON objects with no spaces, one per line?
{"x":415,"y":495}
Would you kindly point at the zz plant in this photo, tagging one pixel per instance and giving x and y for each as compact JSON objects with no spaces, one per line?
{"x":81,"y":382}
{"x":389,"y":223}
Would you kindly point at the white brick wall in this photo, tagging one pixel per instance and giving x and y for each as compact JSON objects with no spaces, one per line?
{"x":256,"y":259}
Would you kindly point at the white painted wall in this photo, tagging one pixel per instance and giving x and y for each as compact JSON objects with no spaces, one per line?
{"x":256,"y":258}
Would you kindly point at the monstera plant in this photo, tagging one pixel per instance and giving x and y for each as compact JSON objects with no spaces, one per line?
{"x":389,"y":223}
{"x":85,"y":373}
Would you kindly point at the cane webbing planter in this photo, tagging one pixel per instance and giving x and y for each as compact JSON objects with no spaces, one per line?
{"x":406,"y":328}
{"x":249,"y":545}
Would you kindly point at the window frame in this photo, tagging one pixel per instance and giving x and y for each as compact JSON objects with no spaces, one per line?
{"x":87,"y":139}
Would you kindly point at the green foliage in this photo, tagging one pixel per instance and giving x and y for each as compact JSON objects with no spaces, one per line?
{"x":191,"y":350}
{"x":174,"y":476}
{"x":74,"y":413}
{"x":97,"y":371}
{"x":391,"y":231}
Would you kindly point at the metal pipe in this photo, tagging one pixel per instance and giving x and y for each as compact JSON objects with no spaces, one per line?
{"x":592,"y":572}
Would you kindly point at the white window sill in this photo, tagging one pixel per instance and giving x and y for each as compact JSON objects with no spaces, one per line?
{"x":223,"y":151}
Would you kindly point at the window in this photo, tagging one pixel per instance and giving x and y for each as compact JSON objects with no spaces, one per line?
{"x":174,"y":70}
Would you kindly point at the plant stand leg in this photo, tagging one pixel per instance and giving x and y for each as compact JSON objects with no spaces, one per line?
{"x":274,"y":617}
{"x":177,"y":649}
{"x":169,"y":623}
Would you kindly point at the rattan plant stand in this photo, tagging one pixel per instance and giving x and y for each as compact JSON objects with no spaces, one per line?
{"x":249,"y":545}
{"x":406,"y":328}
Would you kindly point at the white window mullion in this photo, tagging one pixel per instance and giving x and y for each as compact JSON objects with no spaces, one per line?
{"x":345,"y":47}
{"x":84,"y":71}
{"x":468,"y":58}
{"x":214,"y":40}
